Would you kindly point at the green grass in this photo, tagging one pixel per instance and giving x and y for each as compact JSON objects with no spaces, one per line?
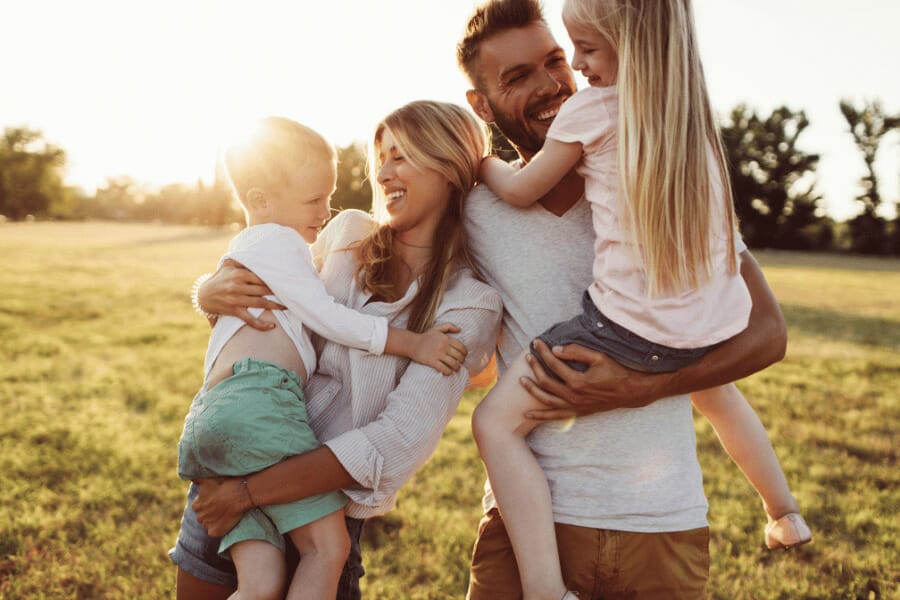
{"x":100,"y":355}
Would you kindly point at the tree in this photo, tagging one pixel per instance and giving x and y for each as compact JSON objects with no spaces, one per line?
{"x":773,"y":181}
{"x":353,"y":189}
{"x":31,"y":174}
{"x":868,"y":126}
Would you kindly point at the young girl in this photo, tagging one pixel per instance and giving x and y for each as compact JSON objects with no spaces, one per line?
{"x":251,"y":411}
{"x":666,"y":287}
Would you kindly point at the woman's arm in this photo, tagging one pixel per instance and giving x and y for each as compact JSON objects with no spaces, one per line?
{"x":523,"y":187}
{"x":222,"y":501}
{"x":607,"y":385}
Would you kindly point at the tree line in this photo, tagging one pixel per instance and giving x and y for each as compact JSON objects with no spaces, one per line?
{"x":774,"y":184}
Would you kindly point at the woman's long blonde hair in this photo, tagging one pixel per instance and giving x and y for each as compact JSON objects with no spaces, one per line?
{"x":666,"y":131}
{"x":445,"y":138}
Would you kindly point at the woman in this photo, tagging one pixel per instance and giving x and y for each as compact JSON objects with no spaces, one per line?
{"x":379,"y":417}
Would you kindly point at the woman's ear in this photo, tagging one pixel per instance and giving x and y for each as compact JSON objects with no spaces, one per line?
{"x":480,"y":105}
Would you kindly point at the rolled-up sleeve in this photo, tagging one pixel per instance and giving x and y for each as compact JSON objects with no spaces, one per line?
{"x":383,"y":454}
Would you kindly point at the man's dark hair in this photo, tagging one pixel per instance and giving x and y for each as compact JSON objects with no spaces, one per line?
{"x":491,"y":18}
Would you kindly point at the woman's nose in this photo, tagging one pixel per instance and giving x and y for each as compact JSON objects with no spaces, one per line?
{"x":384,"y":174}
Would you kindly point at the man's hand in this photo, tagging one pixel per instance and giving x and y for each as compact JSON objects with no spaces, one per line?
{"x":232,"y":290}
{"x":220,"y":504}
{"x":605,"y":385}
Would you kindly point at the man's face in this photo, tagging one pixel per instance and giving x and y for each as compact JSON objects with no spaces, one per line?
{"x":525,"y":80}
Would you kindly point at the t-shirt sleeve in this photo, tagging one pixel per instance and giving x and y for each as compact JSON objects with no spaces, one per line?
{"x":584,"y":118}
{"x":282,"y":259}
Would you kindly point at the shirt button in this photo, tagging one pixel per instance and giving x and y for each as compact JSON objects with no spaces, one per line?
{"x":654,"y":357}
{"x":599,"y":325}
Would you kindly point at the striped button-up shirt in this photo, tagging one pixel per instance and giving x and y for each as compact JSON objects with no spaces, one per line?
{"x":383,"y":416}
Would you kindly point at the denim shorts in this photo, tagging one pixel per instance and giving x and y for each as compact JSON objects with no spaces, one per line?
{"x":196,"y":553}
{"x":593,"y":330}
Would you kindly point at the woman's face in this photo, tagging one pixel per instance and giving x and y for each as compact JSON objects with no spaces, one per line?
{"x":416,"y":199}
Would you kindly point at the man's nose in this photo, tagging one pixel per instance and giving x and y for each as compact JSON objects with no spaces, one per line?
{"x":549,"y":85}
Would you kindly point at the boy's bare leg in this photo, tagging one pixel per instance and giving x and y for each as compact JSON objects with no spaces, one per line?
{"x":744,"y":438}
{"x":260,"y":570}
{"x":324,"y":546}
{"x":518,"y":482}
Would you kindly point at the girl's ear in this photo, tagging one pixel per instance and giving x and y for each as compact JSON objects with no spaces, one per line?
{"x":480,"y":105}
{"x":256,"y":199}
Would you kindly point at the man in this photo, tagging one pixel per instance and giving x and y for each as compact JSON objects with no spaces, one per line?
{"x":627,"y":489}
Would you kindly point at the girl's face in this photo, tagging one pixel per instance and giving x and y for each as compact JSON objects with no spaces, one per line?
{"x":416,"y":199}
{"x":594,"y":56}
{"x":304,"y":204}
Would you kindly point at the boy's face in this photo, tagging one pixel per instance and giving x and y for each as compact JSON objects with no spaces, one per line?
{"x":304,"y":203}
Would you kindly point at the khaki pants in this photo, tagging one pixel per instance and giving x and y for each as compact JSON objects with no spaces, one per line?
{"x":597,"y":563}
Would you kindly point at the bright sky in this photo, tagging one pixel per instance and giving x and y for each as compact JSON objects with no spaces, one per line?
{"x":148,"y":88}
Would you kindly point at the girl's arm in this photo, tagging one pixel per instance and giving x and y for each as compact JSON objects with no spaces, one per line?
{"x":523,"y":187}
{"x":607,"y":385}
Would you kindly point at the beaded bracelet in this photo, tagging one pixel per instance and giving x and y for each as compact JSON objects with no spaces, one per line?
{"x":195,"y":296}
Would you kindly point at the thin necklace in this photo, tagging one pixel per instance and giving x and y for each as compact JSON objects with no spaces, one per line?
{"x":413,"y":245}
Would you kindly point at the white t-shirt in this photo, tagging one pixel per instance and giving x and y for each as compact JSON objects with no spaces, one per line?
{"x":711,"y":313}
{"x":626,"y":469}
{"x":280,"y":257}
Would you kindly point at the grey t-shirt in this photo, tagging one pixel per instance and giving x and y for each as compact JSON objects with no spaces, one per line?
{"x":626,"y":469}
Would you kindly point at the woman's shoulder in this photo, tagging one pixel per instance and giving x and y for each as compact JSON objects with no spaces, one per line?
{"x":466,"y":290}
{"x":345,"y":229}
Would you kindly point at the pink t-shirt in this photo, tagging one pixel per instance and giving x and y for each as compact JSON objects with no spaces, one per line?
{"x":714,"y":312}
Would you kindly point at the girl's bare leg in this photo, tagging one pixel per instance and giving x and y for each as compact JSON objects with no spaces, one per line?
{"x":518,"y":483}
{"x":324,"y":546}
{"x":260,"y":570}
{"x":744,"y":438}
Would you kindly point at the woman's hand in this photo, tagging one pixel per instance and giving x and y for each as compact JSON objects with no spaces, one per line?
{"x":438,"y":350}
{"x":220,"y":504}
{"x":232,"y":290}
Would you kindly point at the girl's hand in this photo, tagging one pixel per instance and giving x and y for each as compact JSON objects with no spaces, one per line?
{"x":232,"y":290}
{"x":220,"y":504}
{"x":438,"y":350}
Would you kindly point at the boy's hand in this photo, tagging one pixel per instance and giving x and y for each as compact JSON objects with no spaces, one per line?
{"x":232,"y":290}
{"x":438,"y":350}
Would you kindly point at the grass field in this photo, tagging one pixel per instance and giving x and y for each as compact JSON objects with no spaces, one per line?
{"x":100,"y":355}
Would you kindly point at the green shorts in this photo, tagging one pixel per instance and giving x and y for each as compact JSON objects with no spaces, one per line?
{"x":250,"y":421}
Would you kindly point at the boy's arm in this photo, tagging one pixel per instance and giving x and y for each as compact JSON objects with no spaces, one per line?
{"x":607,"y":385}
{"x":525,"y":186}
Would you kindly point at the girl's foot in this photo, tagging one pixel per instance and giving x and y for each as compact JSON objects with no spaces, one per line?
{"x":788,"y":531}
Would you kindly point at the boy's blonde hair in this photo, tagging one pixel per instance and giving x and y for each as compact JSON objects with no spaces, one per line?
{"x":669,"y":146}
{"x":441,"y":137}
{"x":275,"y":149}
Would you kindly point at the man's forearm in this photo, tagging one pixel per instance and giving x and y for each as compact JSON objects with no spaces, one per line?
{"x":761,"y":344}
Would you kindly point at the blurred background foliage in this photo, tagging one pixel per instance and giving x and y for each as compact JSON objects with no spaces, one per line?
{"x":773,"y":179}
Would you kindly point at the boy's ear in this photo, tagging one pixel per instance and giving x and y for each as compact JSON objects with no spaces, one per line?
{"x":256,"y":199}
{"x":479,"y":103}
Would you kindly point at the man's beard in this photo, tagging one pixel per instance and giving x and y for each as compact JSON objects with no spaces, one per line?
{"x":518,"y":133}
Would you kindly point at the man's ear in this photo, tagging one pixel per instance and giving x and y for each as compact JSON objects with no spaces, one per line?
{"x":256,"y":199}
{"x":479,"y":103}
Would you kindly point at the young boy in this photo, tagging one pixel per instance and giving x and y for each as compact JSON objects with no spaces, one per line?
{"x":250,"y":412}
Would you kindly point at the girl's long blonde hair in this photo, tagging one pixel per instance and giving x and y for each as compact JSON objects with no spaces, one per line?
{"x":670,"y":150}
{"x":445,"y":138}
